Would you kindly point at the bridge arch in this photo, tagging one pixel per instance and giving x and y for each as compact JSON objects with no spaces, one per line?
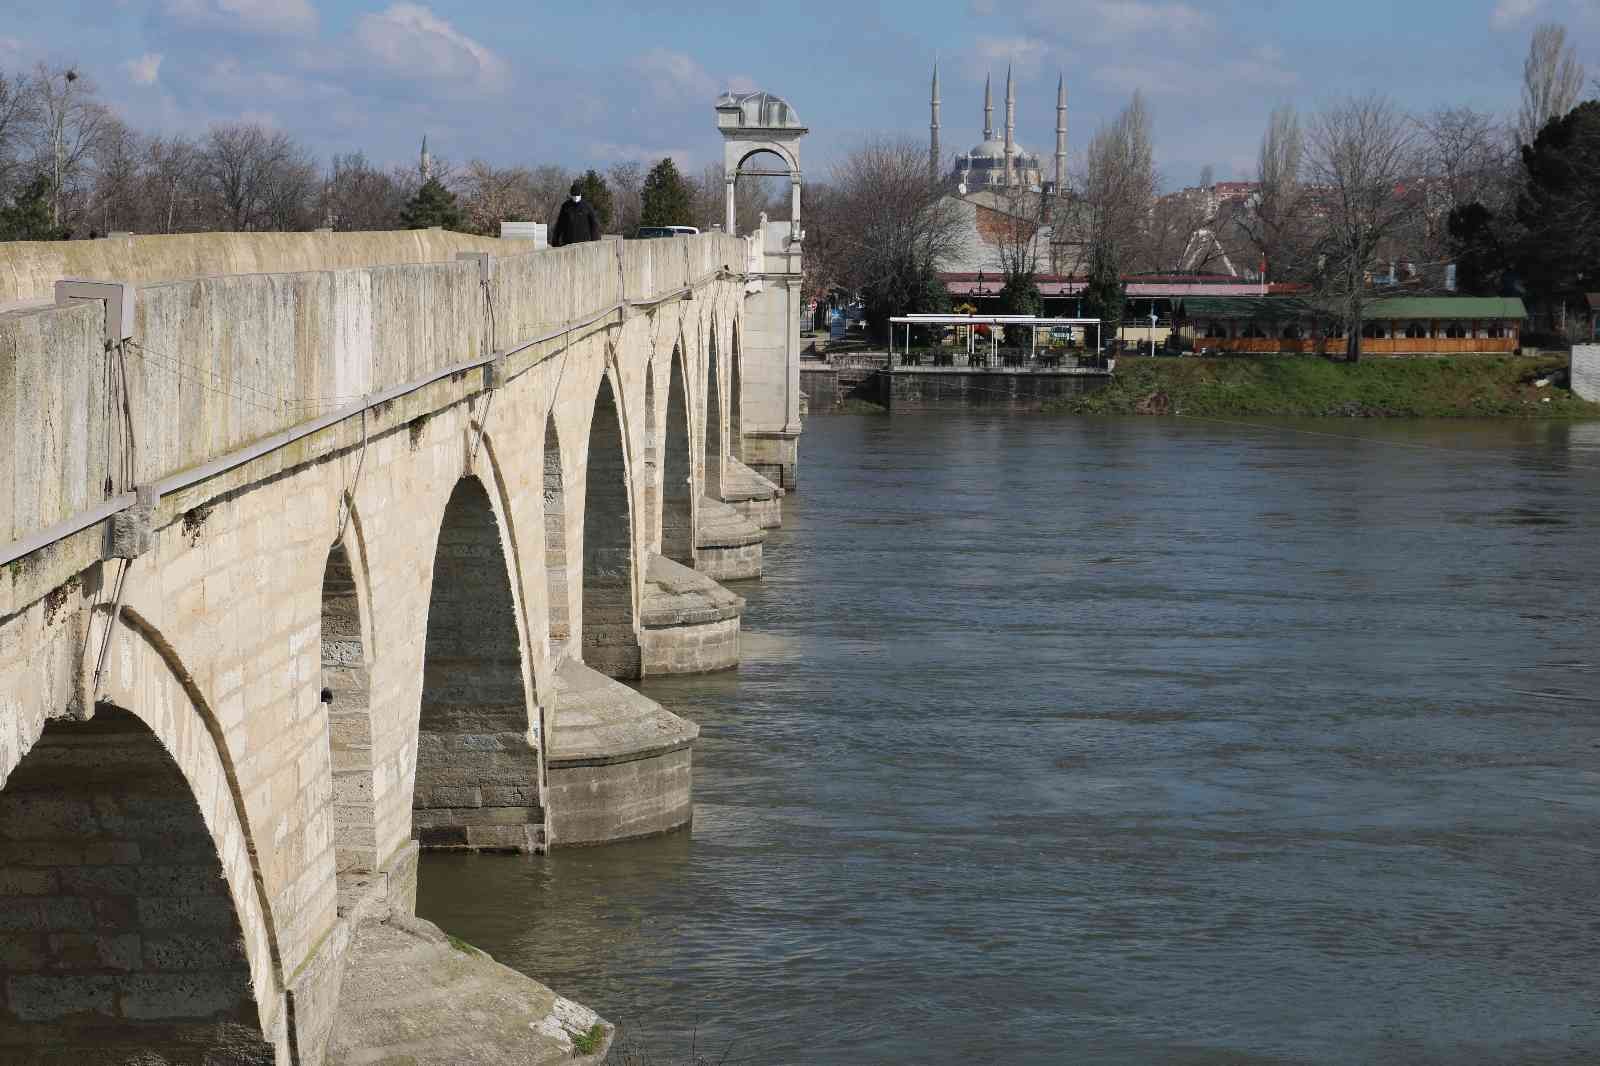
{"x":651,"y":489}
{"x":477,"y":781}
{"x":123,"y":838}
{"x":610,"y":638}
{"x":677,"y":468}
{"x":711,"y":471}
{"x":346,"y":693}
{"x":735,"y":396}
{"x":555,"y":541}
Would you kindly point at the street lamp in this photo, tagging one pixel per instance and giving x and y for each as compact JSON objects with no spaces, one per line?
{"x":1152,"y":329}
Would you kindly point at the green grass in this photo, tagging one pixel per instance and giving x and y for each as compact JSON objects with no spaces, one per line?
{"x":1454,"y":387}
{"x":462,"y":946}
{"x":588,"y":1043}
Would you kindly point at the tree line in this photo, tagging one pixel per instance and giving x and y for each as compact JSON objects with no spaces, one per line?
{"x":1350,"y":204}
{"x":70,"y":167}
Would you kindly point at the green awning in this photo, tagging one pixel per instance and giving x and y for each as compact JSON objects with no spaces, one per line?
{"x":1377,"y":307}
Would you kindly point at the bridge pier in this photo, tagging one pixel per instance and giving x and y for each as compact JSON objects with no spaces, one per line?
{"x":619,"y":763}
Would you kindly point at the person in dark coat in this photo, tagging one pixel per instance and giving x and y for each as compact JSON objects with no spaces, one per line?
{"x":577,"y":221}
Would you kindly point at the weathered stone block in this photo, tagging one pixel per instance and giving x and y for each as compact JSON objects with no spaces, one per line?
{"x":37,"y":998}
{"x":175,"y":996}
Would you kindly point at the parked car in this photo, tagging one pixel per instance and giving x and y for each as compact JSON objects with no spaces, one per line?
{"x":665,"y":231}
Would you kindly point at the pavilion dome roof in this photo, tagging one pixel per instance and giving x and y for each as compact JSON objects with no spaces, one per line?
{"x":761,"y":110}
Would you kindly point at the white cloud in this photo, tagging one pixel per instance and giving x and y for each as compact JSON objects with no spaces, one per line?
{"x":1107,"y":21}
{"x":256,"y":16}
{"x":648,"y":155}
{"x":1508,"y":13}
{"x":1259,"y":69}
{"x":1025,"y":54}
{"x":412,"y":42}
{"x":674,"y":76}
{"x":144,"y":70}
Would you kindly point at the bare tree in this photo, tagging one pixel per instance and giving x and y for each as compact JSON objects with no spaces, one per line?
{"x":17,"y":116}
{"x":491,"y":195}
{"x":68,"y":125}
{"x":359,"y":196}
{"x":1552,"y":80}
{"x":1359,"y":153}
{"x":879,"y":229}
{"x":291,"y":184}
{"x":547,"y":187}
{"x":627,"y":185}
{"x":1470,"y":153}
{"x":1275,"y":221}
{"x":1119,"y":186}
{"x":172,"y":185}
{"x":256,"y":179}
{"x":116,"y":199}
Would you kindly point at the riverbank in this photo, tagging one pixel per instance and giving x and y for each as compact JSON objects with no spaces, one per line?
{"x":1462,"y":386}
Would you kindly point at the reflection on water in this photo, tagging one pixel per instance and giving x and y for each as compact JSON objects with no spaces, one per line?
{"x":1070,"y":740}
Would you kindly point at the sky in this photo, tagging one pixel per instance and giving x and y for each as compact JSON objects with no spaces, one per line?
{"x":586,"y":83}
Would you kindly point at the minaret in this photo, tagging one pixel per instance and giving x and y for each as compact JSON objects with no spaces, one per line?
{"x":1061,"y":134}
{"x":988,"y":110}
{"x":426,"y":166}
{"x":933,"y":142}
{"x":1011,"y":130}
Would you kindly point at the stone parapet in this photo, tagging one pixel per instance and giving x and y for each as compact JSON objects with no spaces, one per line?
{"x":619,"y":764}
{"x":1585,"y":367}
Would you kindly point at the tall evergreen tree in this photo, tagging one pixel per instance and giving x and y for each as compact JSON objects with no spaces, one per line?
{"x":598,"y":193}
{"x":28,"y":216}
{"x":433,"y":205}
{"x":666,"y":197}
{"x":1103,"y":297}
{"x":1560,"y":203}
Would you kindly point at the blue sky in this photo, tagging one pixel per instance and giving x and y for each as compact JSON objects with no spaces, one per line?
{"x":584,"y":83}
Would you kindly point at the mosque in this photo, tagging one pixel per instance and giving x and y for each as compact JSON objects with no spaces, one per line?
{"x":998,"y":163}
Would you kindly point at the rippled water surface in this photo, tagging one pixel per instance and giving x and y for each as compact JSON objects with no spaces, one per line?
{"x":1143,"y":741}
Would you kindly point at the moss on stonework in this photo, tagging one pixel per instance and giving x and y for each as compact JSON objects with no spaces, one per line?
{"x":462,"y":946}
{"x":590,"y":1042}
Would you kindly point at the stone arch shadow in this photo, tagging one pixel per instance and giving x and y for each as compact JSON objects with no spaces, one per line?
{"x":126,"y":849}
{"x":348,"y":651}
{"x":610,"y":631}
{"x":679,"y":498}
{"x":478,"y":780}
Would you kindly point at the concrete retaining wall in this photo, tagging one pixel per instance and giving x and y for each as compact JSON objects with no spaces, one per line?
{"x":1586,"y":371}
{"x":820,"y":386}
{"x":910,"y":389}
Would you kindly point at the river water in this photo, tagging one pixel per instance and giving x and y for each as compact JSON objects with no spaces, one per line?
{"x":1125,"y":741}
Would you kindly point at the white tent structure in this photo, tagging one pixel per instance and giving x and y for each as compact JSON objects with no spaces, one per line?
{"x":995,"y":323}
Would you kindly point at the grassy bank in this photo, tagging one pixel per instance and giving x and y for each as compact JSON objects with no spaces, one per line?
{"x":1463,"y":386}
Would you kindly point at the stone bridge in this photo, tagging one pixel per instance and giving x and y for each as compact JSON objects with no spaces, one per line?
{"x":316,"y":549}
